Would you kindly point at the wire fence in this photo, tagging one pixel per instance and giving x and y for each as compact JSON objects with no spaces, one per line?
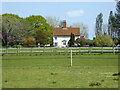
{"x":54,"y":50}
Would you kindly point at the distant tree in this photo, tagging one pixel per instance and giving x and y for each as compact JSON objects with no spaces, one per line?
{"x":61,"y":24}
{"x":99,"y":21}
{"x":111,"y":25}
{"x":83,"y":28}
{"x":103,"y":40}
{"x":117,"y":17}
{"x":53,"y":21}
{"x":72,"y":40}
{"x":29,"y":42}
{"x":105,"y":29}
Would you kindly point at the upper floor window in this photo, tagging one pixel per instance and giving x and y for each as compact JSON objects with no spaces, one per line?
{"x":55,"y":38}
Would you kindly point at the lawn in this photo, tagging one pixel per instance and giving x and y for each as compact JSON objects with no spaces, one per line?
{"x":38,"y":71}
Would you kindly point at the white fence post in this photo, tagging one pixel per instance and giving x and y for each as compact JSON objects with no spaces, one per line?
{"x":71,"y":59}
{"x":113,"y":50}
{"x":19,"y":50}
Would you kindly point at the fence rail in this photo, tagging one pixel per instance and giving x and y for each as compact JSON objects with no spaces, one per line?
{"x":60,"y":50}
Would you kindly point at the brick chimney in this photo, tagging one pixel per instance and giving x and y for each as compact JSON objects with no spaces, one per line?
{"x":64,"y":23}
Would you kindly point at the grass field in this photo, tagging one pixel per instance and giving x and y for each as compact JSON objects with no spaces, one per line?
{"x":38,"y":71}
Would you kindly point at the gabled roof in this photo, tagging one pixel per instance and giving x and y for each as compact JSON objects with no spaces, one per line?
{"x":66,"y":31}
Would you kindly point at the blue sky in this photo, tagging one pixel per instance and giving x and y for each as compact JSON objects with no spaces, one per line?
{"x":72,"y":12}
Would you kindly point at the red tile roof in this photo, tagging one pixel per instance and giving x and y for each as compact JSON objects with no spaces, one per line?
{"x":66,"y":31}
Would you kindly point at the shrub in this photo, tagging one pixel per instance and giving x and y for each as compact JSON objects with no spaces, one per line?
{"x":29,"y":42}
{"x":17,"y":46}
{"x":41,"y":45}
{"x":103,"y":40}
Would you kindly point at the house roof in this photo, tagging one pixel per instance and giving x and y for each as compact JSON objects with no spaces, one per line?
{"x":66,"y":31}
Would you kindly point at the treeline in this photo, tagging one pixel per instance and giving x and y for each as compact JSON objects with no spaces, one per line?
{"x":29,"y":31}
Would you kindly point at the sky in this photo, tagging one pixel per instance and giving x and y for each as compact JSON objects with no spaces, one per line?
{"x":72,"y":12}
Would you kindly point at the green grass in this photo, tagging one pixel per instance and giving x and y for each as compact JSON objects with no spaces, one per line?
{"x":88,"y":71}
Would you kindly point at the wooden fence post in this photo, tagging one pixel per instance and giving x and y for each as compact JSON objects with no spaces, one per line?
{"x":44,"y":50}
{"x":79,"y":49}
{"x":6,"y":50}
{"x":31,"y":50}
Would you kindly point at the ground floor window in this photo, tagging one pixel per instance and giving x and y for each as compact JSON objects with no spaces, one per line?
{"x":64,"y":42}
{"x":56,"y":44}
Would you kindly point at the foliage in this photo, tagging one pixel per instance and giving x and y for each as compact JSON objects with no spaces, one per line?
{"x":61,"y":24}
{"x":116,"y":41}
{"x":17,"y":46}
{"x":89,"y":42}
{"x":52,"y":21}
{"x":29,"y":42}
{"x":99,"y":21}
{"x":83,"y":28}
{"x":103,"y":40}
{"x":43,"y":31}
{"x":14,"y":29}
{"x":71,"y":41}
{"x":42,"y":37}
{"x":111,"y":25}
{"x":117,"y":17}
{"x":80,"y":41}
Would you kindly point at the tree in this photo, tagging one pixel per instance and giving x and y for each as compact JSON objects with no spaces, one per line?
{"x":105,"y":29}
{"x":42,"y":37}
{"x":117,"y":18}
{"x":111,"y":25}
{"x":41,"y":26}
{"x":61,"y":24}
{"x":29,"y":42}
{"x":14,"y":29}
{"x":83,"y":28}
{"x":72,"y":40}
{"x":99,"y":21}
{"x":52,"y":21}
{"x":103,"y":40}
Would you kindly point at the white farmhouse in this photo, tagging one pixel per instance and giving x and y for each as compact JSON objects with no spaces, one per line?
{"x":61,"y":36}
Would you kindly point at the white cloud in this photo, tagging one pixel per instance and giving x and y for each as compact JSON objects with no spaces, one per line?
{"x":75,"y":13}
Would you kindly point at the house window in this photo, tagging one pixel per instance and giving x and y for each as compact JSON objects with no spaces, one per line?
{"x":64,"y":42}
{"x":56,"y":44}
{"x":55,"y":38}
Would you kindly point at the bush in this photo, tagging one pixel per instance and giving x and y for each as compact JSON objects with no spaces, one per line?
{"x":103,"y":40}
{"x":17,"y":46}
{"x":41,"y":45}
{"x":29,"y":42}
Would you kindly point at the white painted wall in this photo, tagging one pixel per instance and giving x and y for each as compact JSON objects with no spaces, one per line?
{"x":60,"y":39}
